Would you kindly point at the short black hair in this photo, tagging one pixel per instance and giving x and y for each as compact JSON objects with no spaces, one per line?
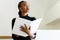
{"x":19,"y":4}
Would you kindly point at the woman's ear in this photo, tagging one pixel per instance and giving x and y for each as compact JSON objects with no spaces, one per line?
{"x":20,"y":9}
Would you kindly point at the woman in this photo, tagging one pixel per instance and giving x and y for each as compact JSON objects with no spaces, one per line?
{"x":23,"y":9}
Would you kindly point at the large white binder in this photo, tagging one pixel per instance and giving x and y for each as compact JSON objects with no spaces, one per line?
{"x":20,"y":22}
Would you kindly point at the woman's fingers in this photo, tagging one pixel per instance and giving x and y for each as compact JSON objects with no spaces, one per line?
{"x":25,"y":26}
{"x":21,"y":28}
{"x":29,"y":27}
{"x":25,"y":29}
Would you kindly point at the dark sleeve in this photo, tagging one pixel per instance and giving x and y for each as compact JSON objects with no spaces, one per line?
{"x":33,"y":18}
{"x":13,"y":21}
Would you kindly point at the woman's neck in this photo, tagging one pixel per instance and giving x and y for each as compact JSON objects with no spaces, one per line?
{"x":23,"y":14}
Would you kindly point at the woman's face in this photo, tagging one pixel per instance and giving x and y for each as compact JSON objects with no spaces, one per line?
{"x":24,"y":7}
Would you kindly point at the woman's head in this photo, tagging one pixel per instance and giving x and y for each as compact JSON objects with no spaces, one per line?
{"x":23,"y":6}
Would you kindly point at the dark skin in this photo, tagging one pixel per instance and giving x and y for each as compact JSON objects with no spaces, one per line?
{"x":24,"y":9}
{"x":26,"y":30}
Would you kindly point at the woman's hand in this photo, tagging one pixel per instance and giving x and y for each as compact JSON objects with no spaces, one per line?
{"x":26,"y":30}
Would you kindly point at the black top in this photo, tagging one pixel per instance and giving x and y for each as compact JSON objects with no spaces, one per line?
{"x":25,"y":17}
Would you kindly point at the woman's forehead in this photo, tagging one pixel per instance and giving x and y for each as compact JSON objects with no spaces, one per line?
{"x":24,"y":4}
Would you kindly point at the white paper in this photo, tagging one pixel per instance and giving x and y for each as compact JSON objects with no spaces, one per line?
{"x":20,"y":22}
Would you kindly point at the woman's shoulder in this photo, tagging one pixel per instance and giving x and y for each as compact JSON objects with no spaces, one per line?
{"x":32,"y":18}
{"x":13,"y":19}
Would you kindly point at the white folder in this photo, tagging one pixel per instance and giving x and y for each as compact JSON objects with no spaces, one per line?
{"x":20,"y":22}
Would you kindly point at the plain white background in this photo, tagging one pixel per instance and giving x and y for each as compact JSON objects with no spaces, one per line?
{"x":46,"y":9}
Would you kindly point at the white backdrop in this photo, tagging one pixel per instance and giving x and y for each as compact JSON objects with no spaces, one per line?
{"x":38,"y":9}
{"x":9,"y":10}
